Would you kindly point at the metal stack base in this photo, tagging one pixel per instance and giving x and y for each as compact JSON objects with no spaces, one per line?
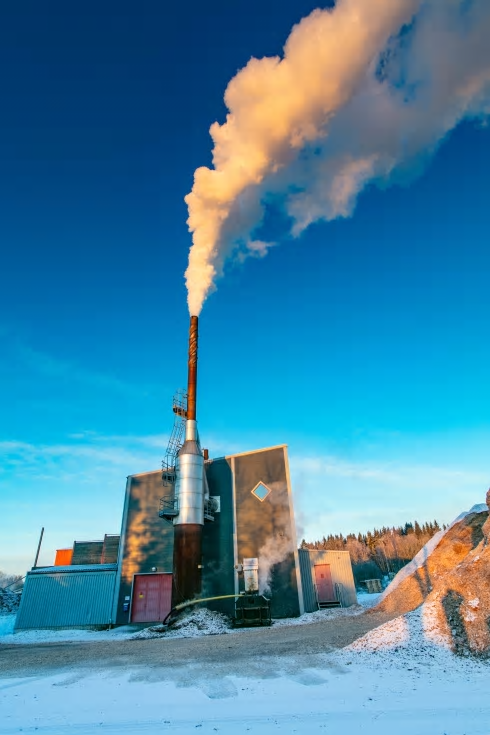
{"x":252,"y":610}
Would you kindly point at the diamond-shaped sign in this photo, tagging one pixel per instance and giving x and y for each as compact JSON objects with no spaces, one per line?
{"x":261,"y":491}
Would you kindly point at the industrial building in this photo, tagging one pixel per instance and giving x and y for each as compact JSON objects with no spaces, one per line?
{"x":201,"y":528}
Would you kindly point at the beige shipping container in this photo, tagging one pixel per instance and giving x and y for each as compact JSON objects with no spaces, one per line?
{"x":327,"y":579}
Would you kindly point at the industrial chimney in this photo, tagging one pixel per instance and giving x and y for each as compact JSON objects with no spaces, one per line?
{"x":189,"y":493}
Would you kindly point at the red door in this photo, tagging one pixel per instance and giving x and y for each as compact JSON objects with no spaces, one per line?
{"x":152,"y":597}
{"x":324,"y":584}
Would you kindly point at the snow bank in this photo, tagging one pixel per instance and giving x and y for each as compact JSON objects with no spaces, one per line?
{"x":7,"y":623}
{"x":368,"y":599}
{"x":61,"y":635}
{"x":193,"y":624}
{"x":409,"y":640}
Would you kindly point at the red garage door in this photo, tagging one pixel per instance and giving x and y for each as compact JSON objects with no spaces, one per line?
{"x":324,"y":584}
{"x":152,"y":597}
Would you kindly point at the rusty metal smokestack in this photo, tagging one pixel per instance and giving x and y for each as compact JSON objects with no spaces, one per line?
{"x":192,"y":370}
{"x":189,"y":493}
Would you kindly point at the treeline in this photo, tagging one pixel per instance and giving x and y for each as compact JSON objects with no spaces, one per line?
{"x":383,"y":551}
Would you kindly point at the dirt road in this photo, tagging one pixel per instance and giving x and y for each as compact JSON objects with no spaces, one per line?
{"x":247,"y":650}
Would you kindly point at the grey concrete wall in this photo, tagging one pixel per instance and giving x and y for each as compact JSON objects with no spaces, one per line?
{"x":218,"y":558}
{"x":266,"y":529}
{"x":146,"y":539}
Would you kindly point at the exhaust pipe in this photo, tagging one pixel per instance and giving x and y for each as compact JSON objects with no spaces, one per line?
{"x":192,"y":369}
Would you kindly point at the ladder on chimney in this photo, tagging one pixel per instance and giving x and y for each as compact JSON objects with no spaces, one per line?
{"x":179,"y":407}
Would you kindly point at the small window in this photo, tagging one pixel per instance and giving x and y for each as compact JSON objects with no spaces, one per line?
{"x":261,"y":491}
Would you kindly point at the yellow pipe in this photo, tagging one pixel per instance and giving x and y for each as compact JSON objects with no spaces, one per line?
{"x":203,"y":599}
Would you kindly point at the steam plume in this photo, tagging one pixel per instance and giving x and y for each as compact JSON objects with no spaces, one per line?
{"x":274,"y":551}
{"x":364,"y":93}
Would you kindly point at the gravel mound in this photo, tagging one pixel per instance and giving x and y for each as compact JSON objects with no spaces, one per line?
{"x":451,"y":581}
{"x":415,"y":582}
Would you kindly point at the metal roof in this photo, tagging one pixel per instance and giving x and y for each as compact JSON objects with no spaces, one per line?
{"x":75,"y":568}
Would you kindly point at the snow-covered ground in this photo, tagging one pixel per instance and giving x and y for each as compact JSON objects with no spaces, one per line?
{"x":6,"y":625}
{"x":194,"y":624}
{"x":399,"y":678}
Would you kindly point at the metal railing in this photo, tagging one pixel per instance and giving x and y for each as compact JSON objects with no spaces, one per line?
{"x":169,"y":507}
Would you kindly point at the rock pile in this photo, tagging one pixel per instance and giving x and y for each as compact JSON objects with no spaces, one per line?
{"x":452,"y":577}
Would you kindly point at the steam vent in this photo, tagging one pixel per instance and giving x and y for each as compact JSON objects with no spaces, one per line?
{"x":202,"y":527}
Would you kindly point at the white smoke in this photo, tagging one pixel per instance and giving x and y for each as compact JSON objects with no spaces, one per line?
{"x":275,"y":550}
{"x":364,"y":93}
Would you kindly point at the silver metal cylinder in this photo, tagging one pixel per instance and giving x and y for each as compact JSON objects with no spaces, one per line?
{"x":251,"y":574}
{"x":191,"y":431}
{"x":189,"y":485}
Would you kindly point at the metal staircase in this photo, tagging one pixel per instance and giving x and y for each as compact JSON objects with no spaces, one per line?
{"x":179,"y":407}
{"x":339,"y":600}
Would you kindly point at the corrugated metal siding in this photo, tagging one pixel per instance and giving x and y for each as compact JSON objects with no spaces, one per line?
{"x":66,"y":599}
{"x":341,"y":569}
{"x":309,"y":595}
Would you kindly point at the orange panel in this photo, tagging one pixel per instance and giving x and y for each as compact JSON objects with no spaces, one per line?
{"x":63,"y":557}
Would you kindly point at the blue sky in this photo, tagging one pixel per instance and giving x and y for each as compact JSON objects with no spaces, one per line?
{"x":364,"y":345}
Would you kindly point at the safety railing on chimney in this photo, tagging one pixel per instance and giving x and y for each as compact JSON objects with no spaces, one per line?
{"x":179,"y":407}
{"x":169,"y":507}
